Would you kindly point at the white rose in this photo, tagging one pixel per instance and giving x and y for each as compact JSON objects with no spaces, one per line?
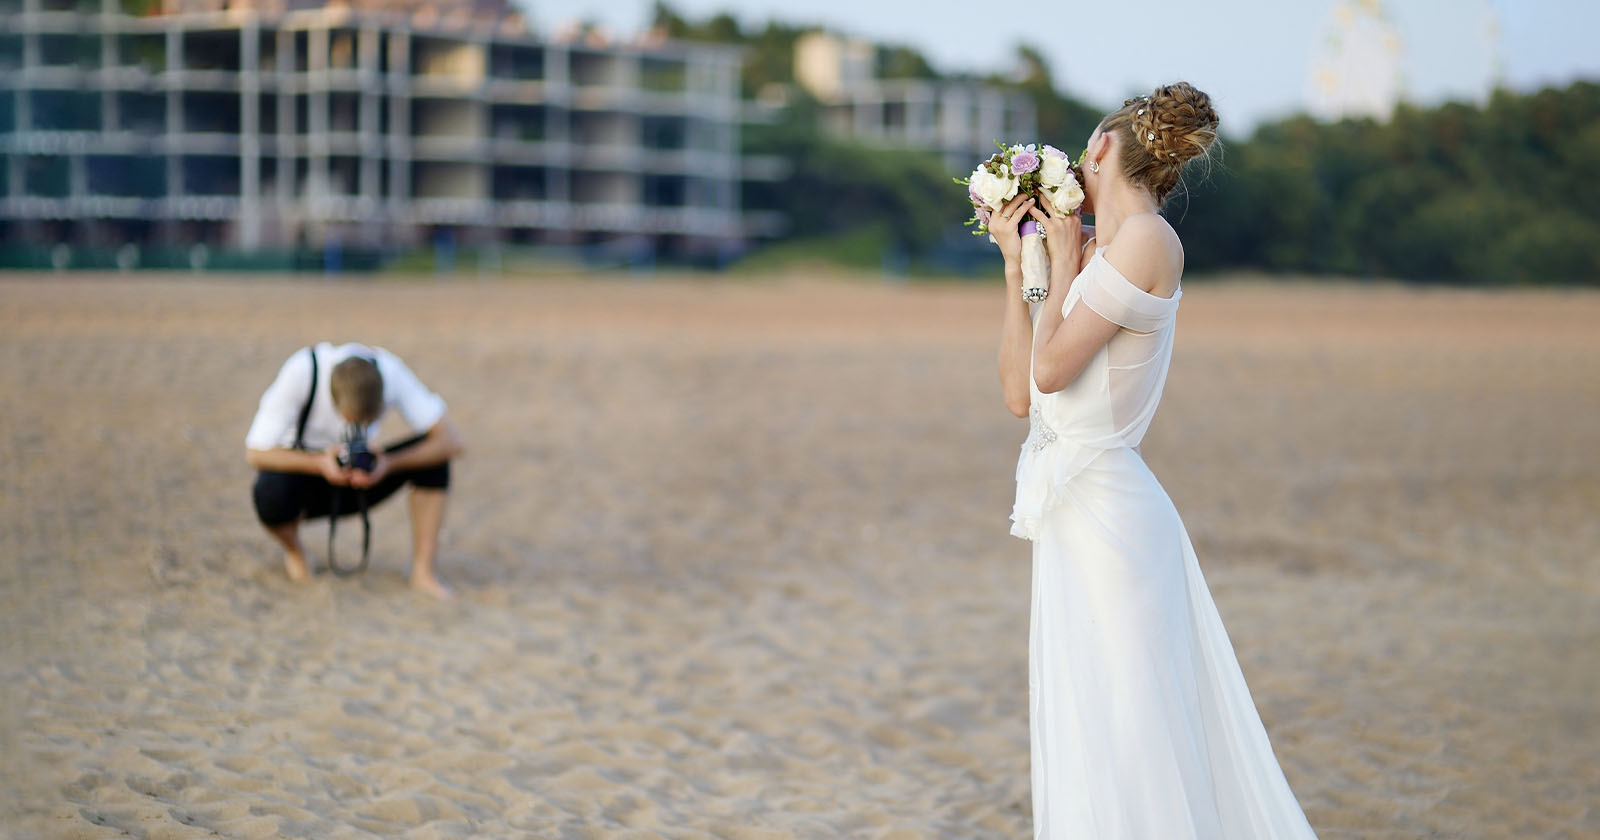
{"x":1054,"y":171}
{"x":993,"y":189}
{"x":1066,"y":199}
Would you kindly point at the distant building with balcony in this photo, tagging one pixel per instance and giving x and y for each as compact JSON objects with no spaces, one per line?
{"x":377,"y":124}
{"x":958,"y":119}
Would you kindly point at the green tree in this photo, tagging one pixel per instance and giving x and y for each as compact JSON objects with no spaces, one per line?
{"x":1062,"y":121}
{"x":1494,"y":194}
{"x":838,"y":188}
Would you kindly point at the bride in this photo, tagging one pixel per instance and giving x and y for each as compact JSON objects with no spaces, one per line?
{"x":1142,"y":726}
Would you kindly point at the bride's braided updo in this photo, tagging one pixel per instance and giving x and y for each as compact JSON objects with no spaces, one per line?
{"x":1170,"y":127}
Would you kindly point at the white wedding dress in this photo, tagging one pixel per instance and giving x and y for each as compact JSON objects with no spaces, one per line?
{"x":1142,"y":726}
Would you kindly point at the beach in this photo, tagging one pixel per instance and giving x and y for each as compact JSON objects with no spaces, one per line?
{"x":731,"y":560}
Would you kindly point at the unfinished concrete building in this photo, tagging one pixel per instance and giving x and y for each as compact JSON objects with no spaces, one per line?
{"x":958,"y":119}
{"x":293,"y":127}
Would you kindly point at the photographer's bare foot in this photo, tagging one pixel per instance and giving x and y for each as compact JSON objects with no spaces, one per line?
{"x":430,"y":585}
{"x":294,"y":564}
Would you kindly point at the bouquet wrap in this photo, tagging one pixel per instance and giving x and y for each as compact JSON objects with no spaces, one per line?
{"x":1035,"y":263}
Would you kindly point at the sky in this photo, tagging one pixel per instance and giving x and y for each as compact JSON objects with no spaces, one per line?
{"x":1254,"y":57}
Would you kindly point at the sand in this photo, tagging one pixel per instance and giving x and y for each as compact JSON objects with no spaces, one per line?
{"x":732,"y":561}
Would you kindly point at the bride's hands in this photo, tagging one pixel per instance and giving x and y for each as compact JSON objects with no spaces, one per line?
{"x":1003,"y":227}
{"x":1063,"y":236}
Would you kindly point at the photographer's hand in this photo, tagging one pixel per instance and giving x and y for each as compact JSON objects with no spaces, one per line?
{"x":332,"y":470}
{"x":361,"y":479}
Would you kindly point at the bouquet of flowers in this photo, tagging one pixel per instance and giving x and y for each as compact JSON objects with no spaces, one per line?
{"x":1046,"y":174}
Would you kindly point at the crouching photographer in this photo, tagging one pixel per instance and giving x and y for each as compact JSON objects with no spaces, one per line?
{"x":310,"y":443}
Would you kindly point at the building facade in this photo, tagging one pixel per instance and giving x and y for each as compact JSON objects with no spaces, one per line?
{"x":380,"y":125}
{"x":959,"y":119}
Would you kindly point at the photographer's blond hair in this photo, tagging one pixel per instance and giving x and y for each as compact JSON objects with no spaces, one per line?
{"x":1170,"y":127}
{"x":357,"y":387}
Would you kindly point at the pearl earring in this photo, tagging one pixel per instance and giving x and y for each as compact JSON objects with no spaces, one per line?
{"x":1094,"y":167}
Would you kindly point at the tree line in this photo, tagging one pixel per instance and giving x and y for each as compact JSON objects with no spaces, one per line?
{"x":1505,"y":192}
{"x":1502,"y":193}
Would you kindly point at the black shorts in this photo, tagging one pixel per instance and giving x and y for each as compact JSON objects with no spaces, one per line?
{"x":282,"y":497}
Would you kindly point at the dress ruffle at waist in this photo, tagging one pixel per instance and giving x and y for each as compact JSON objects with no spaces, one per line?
{"x":1047,"y":463}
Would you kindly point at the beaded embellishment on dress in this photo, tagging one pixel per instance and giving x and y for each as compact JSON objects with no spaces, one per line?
{"x":1042,"y":434}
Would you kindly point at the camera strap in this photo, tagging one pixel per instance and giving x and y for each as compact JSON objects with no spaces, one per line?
{"x":366,"y":534}
{"x":333,"y":504}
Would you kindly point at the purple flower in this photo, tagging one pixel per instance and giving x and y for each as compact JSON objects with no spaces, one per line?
{"x":973,"y":194}
{"x":1052,"y":151}
{"x":1024,"y":162}
{"x":983,"y":217}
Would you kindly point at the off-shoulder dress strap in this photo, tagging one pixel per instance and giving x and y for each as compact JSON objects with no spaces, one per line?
{"x":1115,"y":298}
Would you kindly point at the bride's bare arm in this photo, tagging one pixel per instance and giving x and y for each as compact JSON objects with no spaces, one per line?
{"x":1016,"y":344}
{"x":1067,"y":344}
{"x":1016,"y":326}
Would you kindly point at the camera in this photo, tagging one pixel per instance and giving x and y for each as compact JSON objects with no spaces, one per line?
{"x":356,"y":455}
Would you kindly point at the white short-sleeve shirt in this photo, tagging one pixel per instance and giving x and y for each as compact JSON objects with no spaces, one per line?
{"x":279,"y":412}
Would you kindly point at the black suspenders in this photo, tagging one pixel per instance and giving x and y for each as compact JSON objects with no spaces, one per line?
{"x":305,"y":410}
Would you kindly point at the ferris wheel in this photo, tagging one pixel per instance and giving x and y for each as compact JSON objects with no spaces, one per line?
{"x":1358,"y":68}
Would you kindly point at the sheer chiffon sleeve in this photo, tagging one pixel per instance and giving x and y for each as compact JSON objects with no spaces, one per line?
{"x":1117,"y":300}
